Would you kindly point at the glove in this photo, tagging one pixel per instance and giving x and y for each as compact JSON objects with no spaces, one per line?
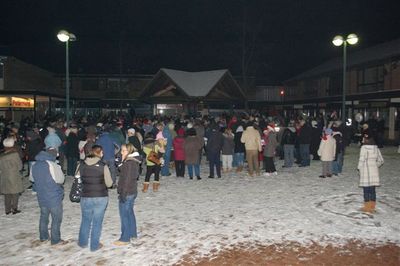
{"x":122,"y":198}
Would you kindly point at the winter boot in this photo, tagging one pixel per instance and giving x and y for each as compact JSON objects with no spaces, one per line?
{"x":156,"y":185}
{"x":145,"y":187}
{"x":372,"y":206}
{"x":366,"y":207}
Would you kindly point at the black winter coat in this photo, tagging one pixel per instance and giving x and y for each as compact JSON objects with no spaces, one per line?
{"x":305,"y":134}
{"x":128,"y":173}
{"x":289,"y":137}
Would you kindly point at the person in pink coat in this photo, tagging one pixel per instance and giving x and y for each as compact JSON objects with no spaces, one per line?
{"x":179,"y":153}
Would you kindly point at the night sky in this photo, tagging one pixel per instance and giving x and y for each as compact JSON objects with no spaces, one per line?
{"x":283,"y":37}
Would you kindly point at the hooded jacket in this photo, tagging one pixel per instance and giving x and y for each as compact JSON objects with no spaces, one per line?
{"x":128,"y":174}
{"x":48,"y":178}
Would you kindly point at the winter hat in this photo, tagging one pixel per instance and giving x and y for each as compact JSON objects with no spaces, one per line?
{"x":8,"y":142}
{"x":189,"y":125}
{"x":159,"y":136}
{"x":314,"y":124}
{"x":328,"y":131}
{"x":239,"y":129}
{"x":52,"y":151}
{"x":131,"y":130}
{"x":99,"y":125}
{"x":181,"y":132}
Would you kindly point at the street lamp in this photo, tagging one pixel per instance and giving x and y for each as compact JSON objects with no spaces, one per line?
{"x":65,"y":36}
{"x":338,"y":40}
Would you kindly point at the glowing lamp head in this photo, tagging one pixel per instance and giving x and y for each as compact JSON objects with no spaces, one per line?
{"x":337,"y":40}
{"x":352,"y":39}
{"x":66,"y":36}
{"x":282,"y":92}
{"x":63,"y":35}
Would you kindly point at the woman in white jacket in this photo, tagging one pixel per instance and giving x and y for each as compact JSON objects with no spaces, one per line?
{"x":327,"y":151}
{"x":368,"y":165}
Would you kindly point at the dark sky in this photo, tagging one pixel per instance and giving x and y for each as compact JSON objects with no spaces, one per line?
{"x":283,"y":37}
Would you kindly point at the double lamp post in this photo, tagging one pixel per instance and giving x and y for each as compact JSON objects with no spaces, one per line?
{"x":65,"y":36}
{"x":339,"y":41}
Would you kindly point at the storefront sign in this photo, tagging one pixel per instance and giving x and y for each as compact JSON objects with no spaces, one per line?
{"x":16,"y":102}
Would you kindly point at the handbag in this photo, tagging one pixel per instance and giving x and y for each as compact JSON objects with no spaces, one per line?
{"x":153,"y":157}
{"x":76,"y":189}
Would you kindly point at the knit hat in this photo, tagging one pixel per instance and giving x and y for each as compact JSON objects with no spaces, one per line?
{"x":8,"y":142}
{"x":52,"y":151}
{"x":131,"y":130}
{"x":328,"y":131}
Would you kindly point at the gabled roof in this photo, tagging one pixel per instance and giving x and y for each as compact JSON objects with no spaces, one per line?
{"x":195,"y":84}
{"x":375,"y":53}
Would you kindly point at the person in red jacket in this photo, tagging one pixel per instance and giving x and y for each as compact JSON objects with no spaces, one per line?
{"x":179,"y":153}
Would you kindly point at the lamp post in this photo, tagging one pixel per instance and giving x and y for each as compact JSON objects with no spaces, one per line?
{"x":65,"y":36}
{"x":338,"y":40}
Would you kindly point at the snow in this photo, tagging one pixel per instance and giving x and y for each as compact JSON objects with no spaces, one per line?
{"x":209,"y":215}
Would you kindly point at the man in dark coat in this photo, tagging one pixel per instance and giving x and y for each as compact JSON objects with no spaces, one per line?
{"x":214,"y":145}
{"x":304,"y":143}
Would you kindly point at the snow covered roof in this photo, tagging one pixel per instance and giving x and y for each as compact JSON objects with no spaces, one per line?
{"x":194,"y":84}
{"x":375,"y":53}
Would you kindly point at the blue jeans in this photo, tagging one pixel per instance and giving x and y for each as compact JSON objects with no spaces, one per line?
{"x":337,"y":165}
{"x":71,"y":165}
{"x":92,"y":210}
{"x":305,"y":154}
{"x":128,"y":219}
{"x":238,"y":158}
{"x":56,"y":219}
{"x":165,"y":167}
{"x":288,"y":151}
{"x":196,"y":169}
{"x":369,"y":194}
{"x":113,"y":170}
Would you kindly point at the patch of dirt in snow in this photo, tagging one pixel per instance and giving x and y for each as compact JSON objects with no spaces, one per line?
{"x":292,"y":253}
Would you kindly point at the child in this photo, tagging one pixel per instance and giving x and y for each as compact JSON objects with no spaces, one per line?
{"x":327,"y":152}
{"x":368,"y":164}
{"x":227,"y":150}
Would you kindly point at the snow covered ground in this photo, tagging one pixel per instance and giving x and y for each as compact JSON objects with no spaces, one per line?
{"x":210,"y":215}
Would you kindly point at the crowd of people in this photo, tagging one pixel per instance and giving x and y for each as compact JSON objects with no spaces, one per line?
{"x":112,"y":152}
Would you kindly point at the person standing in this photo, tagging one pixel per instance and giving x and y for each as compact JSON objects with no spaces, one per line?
{"x":228,"y":149}
{"x":288,"y":142}
{"x":239,"y":149}
{"x":192,"y":147}
{"x":72,"y":150}
{"x":10,"y":177}
{"x":167,"y":154}
{"x":304,"y":143}
{"x":270,"y":143}
{"x":252,"y":142}
{"x":326,"y":152}
{"x":153,"y":167}
{"x":337,"y":164}
{"x":127,"y":190}
{"x":368,"y":166}
{"x":96,"y":178}
{"x":109,"y":147}
{"x":214,"y":145}
{"x":52,"y":140}
{"x":179,"y":153}
{"x":49,"y":180}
